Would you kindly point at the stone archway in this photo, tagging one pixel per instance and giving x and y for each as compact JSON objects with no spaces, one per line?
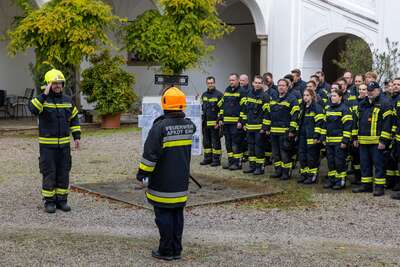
{"x":323,"y":49}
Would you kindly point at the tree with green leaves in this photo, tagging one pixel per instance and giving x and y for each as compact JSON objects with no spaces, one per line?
{"x":386,"y":63}
{"x":107,"y":85}
{"x":62,"y":33}
{"x":176,"y":39}
{"x":355,"y":57}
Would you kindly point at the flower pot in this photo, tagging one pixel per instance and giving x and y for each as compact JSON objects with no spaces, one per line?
{"x":111,"y":121}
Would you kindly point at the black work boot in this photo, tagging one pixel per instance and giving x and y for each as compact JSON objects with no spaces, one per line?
{"x":215,"y":163}
{"x":50,"y":206}
{"x":396,"y":187}
{"x":329,"y":182}
{"x":234,"y":167}
{"x":156,"y":254}
{"x":396,"y":195}
{"x":311,"y":179}
{"x":302,"y":177}
{"x":251,"y":168}
{"x":259,"y":170}
{"x":379,"y":190}
{"x":206,"y":161}
{"x":339,"y":184}
{"x":63,"y":205}
{"x":363,"y":188}
{"x":277,"y":174}
{"x":285,"y":174}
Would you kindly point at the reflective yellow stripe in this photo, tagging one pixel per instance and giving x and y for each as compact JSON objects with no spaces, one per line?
{"x":366,"y":179}
{"x":54,"y":141}
{"x":266,"y":122}
{"x":231,"y":119}
{"x":75,"y":128}
{"x":37,"y":104}
{"x":319,"y":130}
{"x":294,"y":124}
{"x":146,"y":168}
{"x":374,"y":121}
{"x":232,"y":94}
{"x":253,"y":126}
{"x":332,"y":113}
{"x":265,"y":107}
{"x":74,"y":113}
{"x":167,"y":200}
{"x":207,"y":150}
{"x":368,"y":140}
{"x":347,"y":134}
{"x":310,"y":141}
{"x":380,"y":181}
{"x":211,"y":123}
{"x":313,"y":171}
{"x":347,"y":118}
{"x":311,"y":114}
{"x":278,"y":163}
{"x":304,"y":170}
{"x":61,"y":191}
{"x":238,"y":156}
{"x":319,"y":117}
{"x":57,"y":105}
{"x":177,"y":143}
{"x":253,"y":100}
{"x":294,"y":109}
{"x":332,"y":173}
{"x":279,"y":130}
{"x":48,"y":193}
{"x":217,"y":151}
{"x":387,"y":113}
{"x":287,"y":165}
{"x":385,"y":135}
{"x":334,"y":139}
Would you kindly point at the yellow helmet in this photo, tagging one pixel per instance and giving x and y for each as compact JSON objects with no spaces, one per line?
{"x":53,"y":76}
{"x":173,"y":99}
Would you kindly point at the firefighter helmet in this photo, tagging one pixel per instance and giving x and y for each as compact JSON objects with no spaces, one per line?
{"x":54,"y":76}
{"x":173,"y":99}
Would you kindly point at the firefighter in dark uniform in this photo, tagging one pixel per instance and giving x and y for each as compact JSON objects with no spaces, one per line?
{"x":311,"y":135}
{"x":355,"y":149}
{"x":211,"y":103}
{"x":245,"y":86}
{"x":282,"y":125}
{"x":165,"y":169}
{"x":396,"y":86}
{"x":374,"y":136}
{"x":58,"y":118}
{"x":391,"y":168}
{"x":231,"y":109}
{"x":254,"y":112}
{"x":339,"y":121}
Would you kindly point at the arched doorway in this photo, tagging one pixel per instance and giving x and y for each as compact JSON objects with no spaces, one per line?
{"x":333,"y":51}
{"x":321,"y":52}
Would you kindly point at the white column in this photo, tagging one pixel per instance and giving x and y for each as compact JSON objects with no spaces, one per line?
{"x":263,"y":54}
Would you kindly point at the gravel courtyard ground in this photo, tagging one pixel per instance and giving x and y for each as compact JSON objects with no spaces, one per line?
{"x":301,"y":227}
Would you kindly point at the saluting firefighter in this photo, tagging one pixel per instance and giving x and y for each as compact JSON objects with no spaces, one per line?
{"x":311,"y":135}
{"x":374,"y":136}
{"x":58,"y":118}
{"x":165,"y":169}
{"x":339,"y":121}
{"x":231,"y":109}
{"x":254,"y":110}
{"x":211,"y":104}
{"x":282,"y":124}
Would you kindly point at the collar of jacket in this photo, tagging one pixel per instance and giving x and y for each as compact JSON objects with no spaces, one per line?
{"x":211,"y":90}
{"x":174,"y":114}
{"x":336,"y":104}
{"x":230,"y":88}
{"x":52,"y":94}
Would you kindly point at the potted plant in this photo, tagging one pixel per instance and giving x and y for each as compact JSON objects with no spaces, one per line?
{"x":110,"y":87}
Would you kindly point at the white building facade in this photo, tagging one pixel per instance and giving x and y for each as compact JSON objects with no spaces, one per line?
{"x":270,"y":35}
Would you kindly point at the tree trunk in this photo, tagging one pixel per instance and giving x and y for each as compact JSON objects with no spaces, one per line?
{"x":77,"y":87}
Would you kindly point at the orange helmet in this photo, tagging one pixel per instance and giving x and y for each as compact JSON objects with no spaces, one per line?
{"x":173,"y":99}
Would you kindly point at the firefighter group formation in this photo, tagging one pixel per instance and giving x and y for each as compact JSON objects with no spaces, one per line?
{"x":353,"y":122}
